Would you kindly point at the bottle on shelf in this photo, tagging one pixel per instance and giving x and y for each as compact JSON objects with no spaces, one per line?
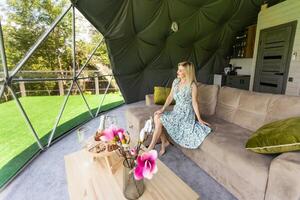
{"x":239,"y":54}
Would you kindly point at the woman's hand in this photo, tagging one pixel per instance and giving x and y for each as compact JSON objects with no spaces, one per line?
{"x":160,"y":111}
{"x":205,"y":123}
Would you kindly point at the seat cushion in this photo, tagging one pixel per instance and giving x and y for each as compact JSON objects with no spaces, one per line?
{"x":284,"y":181}
{"x":227,"y":145}
{"x":235,"y":184}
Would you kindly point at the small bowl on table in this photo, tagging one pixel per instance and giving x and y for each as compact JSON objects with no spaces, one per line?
{"x":98,"y":148}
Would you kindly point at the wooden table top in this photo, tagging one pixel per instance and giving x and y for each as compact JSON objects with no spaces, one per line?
{"x":90,"y":179}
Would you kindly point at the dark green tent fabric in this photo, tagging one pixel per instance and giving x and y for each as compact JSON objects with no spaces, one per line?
{"x":143,"y":49}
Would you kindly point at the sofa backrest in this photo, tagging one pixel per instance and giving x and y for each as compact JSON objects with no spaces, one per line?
{"x":283,"y":106}
{"x":251,"y":110}
{"x":207,"y":98}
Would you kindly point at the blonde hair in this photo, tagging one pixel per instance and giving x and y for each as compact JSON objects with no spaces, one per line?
{"x":190,"y":71}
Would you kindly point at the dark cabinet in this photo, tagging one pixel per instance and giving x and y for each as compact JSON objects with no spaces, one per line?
{"x":238,"y":81}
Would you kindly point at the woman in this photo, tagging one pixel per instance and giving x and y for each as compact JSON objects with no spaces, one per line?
{"x":180,"y":123}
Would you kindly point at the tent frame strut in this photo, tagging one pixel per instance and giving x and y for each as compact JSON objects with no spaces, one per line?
{"x":102,"y":100}
{"x":3,"y":58}
{"x":60,"y":114}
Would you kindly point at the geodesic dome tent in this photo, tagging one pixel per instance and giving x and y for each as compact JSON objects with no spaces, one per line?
{"x":144,"y":50}
{"x":146,"y":39}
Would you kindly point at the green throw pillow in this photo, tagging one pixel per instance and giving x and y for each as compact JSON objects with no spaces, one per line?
{"x":161,"y":94}
{"x":276,"y":137}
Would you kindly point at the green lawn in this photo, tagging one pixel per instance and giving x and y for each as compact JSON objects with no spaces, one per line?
{"x":17,"y":144}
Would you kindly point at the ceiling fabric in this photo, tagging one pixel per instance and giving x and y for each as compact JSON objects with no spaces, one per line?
{"x":143,"y":49}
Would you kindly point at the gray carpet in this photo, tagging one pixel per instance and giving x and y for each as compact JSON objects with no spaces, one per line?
{"x":45,"y":177}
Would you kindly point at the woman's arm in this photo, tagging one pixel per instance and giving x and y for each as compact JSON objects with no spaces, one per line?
{"x":168,"y":100}
{"x":195,"y":103}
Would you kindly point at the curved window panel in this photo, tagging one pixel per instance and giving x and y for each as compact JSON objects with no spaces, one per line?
{"x":24,"y":22}
{"x":17,"y":143}
{"x":37,"y":107}
{"x":81,"y":107}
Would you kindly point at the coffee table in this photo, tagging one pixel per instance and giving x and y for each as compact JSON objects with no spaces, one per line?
{"x":90,"y":179}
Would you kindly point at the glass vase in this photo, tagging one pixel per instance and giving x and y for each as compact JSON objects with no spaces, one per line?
{"x":132,"y":189}
{"x":81,"y":136}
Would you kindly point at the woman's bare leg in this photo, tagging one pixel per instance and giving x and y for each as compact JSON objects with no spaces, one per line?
{"x":157,"y":132}
{"x":164,"y":143}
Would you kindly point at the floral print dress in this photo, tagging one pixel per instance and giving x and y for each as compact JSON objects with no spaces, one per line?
{"x":181,"y":123}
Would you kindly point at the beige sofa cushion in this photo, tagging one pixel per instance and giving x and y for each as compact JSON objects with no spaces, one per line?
{"x":282,"y":107}
{"x":135,"y":118}
{"x":207,"y":98}
{"x":227,"y":103}
{"x":252,"y":109}
{"x":227,"y":177}
{"x":226,"y":145}
{"x":284,"y":177}
{"x":149,"y":99}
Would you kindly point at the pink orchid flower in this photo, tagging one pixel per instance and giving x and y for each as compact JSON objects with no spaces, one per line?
{"x":121,"y":135}
{"x":146,"y":165}
{"x":107,"y":135}
{"x":113,"y":133}
{"x":133,"y":151}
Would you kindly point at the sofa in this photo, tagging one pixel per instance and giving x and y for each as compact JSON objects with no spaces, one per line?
{"x":234,"y":115}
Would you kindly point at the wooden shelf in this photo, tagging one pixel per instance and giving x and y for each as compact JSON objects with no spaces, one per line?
{"x":243,"y":46}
